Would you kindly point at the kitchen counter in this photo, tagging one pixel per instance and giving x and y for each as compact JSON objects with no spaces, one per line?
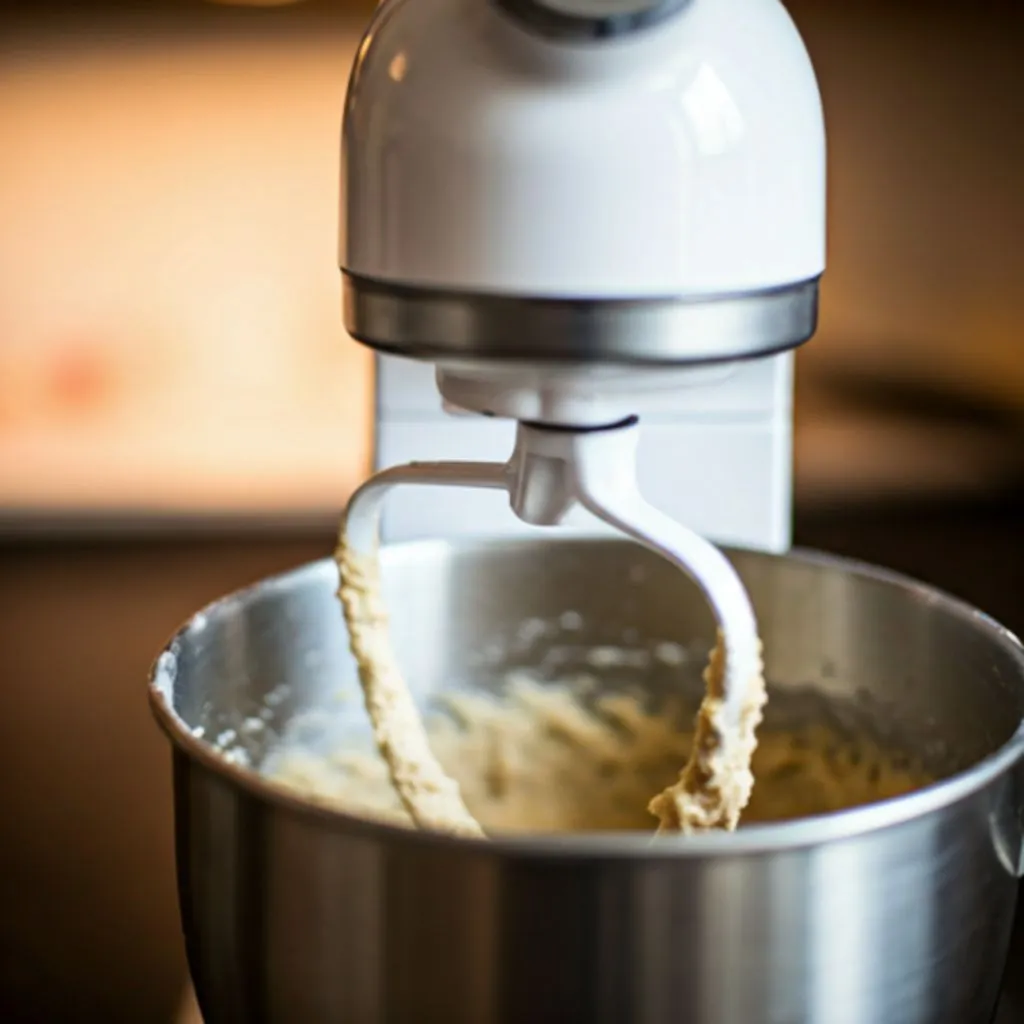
{"x":89,"y":927}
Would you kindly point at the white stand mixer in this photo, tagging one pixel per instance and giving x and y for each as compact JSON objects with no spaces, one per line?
{"x":582,"y":212}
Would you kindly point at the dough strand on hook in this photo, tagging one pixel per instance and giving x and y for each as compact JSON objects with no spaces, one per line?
{"x":716,"y":783}
{"x":430,"y":796}
{"x":427,"y":792}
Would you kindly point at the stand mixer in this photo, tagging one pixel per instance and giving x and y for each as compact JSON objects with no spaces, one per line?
{"x":581,"y":216}
{"x":580,"y":211}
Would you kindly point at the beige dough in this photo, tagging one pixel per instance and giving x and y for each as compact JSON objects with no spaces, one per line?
{"x":717,"y":781}
{"x":428,"y":794}
{"x":545,"y":759}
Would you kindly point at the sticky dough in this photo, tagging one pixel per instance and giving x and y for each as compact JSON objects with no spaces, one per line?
{"x":550,"y":758}
{"x":430,"y":796}
{"x":716,"y":784}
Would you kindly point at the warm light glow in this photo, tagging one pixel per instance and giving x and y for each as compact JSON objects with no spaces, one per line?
{"x":396,"y":69}
{"x":193,"y":359}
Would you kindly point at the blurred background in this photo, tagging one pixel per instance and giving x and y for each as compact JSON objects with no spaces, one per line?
{"x":180,"y":412}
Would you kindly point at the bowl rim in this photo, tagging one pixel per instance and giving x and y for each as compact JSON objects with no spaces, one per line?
{"x":753,"y":839}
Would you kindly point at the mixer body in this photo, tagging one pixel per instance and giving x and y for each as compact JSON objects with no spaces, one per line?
{"x":568,"y":213}
{"x":484,"y":161}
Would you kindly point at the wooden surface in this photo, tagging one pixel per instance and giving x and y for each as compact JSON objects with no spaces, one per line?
{"x":89,"y":924}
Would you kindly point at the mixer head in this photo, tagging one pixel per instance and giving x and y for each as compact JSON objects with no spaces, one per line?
{"x":563,"y":204}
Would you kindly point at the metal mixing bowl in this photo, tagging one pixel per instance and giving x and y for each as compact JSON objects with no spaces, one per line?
{"x":899,"y":912}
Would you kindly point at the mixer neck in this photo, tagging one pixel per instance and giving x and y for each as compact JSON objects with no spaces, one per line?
{"x":715,"y":455}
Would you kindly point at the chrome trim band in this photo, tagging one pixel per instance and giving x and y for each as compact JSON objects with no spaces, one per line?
{"x":429,"y":324}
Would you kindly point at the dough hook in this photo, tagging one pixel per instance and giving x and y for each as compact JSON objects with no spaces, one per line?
{"x":551,"y":470}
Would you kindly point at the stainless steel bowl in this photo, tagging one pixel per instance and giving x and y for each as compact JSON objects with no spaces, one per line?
{"x":895,"y":913}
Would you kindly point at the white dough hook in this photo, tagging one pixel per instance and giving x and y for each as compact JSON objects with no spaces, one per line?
{"x":553,"y":469}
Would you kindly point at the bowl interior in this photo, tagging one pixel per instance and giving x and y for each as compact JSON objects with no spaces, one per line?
{"x":866,"y":650}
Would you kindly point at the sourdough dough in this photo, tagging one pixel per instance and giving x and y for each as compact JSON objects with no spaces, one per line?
{"x":543,"y":758}
{"x":428,"y":794}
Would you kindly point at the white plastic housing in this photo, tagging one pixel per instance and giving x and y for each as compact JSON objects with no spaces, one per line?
{"x":687,"y":159}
